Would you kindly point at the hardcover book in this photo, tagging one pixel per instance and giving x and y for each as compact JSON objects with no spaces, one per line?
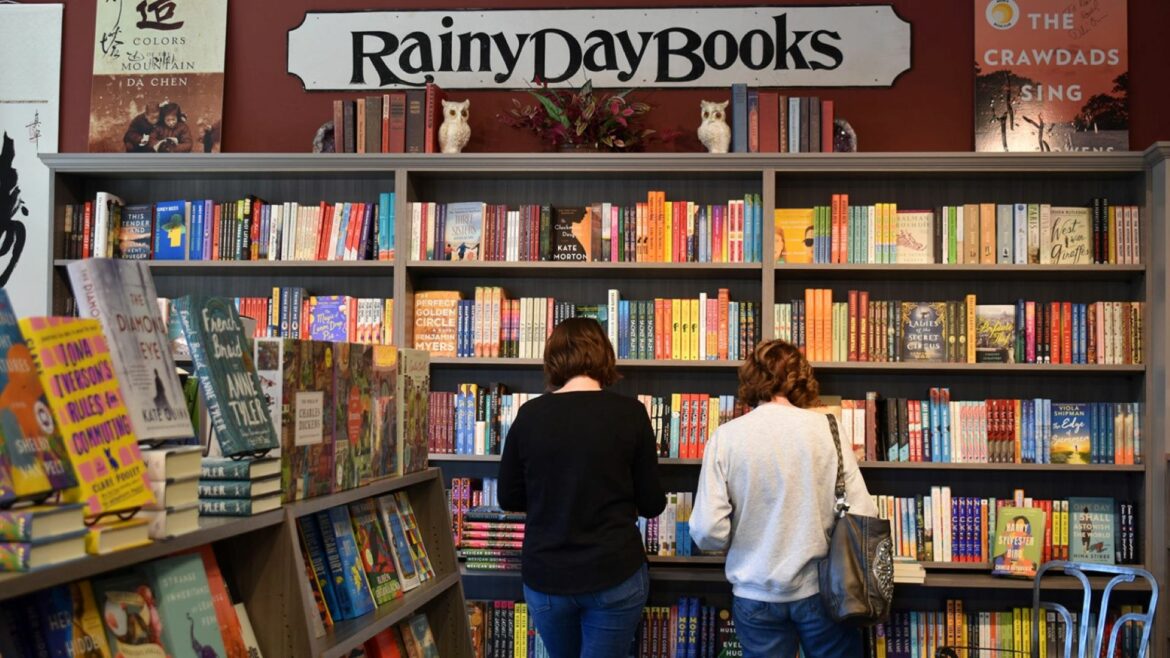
{"x":329,"y":317}
{"x":414,"y":385}
{"x":238,"y":506}
{"x":575,"y":230}
{"x":793,"y":238}
{"x":121,"y":295}
{"x":1066,"y":236}
{"x":1092,"y":533}
{"x":135,"y":233}
{"x":436,"y":319}
{"x":74,"y":625}
{"x":170,"y":230}
{"x":225,"y":613}
{"x":421,"y":642}
{"x":345,"y":567}
{"x":374,"y":549}
{"x":223,"y":364}
{"x":384,"y":378}
{"x":1071,"y":442}
{"x":393,"y":526}
{"x":464,"y":231}
{"x":158,"y":71}
{"x":914,"y":243}
{"x":1019,"y":541}
{"x":190,"y":628}
{"x":33,"y":458}
{"x":129,"y":607}
{"x":924,"y":331}
{"x":84,"y":395}
{"x":29,"y":556}
{"x":36,"y":522}
{"x":995,"y":333}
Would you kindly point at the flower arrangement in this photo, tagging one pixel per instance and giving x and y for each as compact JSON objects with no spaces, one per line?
{"x":582,"y":118}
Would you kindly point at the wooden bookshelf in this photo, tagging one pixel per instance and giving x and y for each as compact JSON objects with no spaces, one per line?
{"x":923,"y":180}
{"x":211,"y":529}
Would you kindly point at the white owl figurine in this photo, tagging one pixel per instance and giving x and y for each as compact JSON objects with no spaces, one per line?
{"x":454,"y":132}
{"x":714,"y":132}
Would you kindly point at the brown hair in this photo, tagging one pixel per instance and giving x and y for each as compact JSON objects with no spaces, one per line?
{"x":579,"y":346}
{"x":778,"y":368}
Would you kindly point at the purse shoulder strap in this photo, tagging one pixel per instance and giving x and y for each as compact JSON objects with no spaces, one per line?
{"x":841,"y":506}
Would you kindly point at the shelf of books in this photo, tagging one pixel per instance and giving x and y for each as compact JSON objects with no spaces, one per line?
{"x":931,"y":291}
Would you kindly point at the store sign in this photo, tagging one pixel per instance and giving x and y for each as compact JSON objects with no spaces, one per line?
{"x":835,"y":46}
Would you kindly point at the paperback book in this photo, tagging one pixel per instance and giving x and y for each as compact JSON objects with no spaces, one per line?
{"x":1019,"y":541}
{"x":1092,"y":530}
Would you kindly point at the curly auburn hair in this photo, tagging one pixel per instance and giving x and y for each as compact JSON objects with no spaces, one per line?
{"x":579,"y":346}
{"x":778,"y":368}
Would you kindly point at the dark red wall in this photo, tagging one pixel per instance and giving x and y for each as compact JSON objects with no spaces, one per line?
{"x":928,"y":109}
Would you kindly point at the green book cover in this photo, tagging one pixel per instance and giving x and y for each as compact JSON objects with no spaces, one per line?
{"x":190,"y":628}
{"x":414,"y":385}
{"x":223,"y":364}
{"x":1091,"y":530}
{"x":1019,"y":537}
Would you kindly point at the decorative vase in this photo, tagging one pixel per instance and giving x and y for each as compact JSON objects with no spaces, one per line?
{"x":577,"y":148}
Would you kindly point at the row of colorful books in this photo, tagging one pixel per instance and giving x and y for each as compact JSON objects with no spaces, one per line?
{"x":248,"y":229}
{"x":654,"y":231}
{"x":766,"y":121}
{"x":967,"y":234}
{"x":503,"y":629}
{"x":412,"y":637}
{"x":940,"y":527}
{"x":363,"y":556}
{"x":293,"y":313}
{"x":396,"y":122}
{"x":669,"y":533}
{"x":687,"y":628}
{"x":175,"y":606}
{"x":707,"y":328}
{"x":346,"y":414}
{"x":486,"y":538}
{"x":961,"y":331}
{"x":923,"y":632}
{"x":997,"y":431}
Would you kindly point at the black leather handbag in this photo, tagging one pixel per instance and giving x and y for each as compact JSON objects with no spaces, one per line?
{"x":857,"y":576}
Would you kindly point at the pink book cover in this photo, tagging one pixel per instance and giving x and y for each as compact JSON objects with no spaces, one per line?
{"x":615,"y":238}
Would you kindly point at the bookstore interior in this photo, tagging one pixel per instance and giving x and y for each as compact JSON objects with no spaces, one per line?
{"x":268,"y":327}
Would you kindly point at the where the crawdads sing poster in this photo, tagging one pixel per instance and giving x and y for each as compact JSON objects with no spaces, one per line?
{"x":1051,"y":75}
{"x":158,"y":76}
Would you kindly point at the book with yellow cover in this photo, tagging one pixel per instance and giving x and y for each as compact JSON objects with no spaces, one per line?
{"x":73,"y":361}
{"x":793,"y":237}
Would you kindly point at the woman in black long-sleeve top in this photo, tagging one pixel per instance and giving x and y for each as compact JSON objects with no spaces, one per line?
{"x":582,"y":462}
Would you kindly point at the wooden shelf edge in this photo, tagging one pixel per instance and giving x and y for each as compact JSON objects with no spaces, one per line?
{"x":212,"y":529}
{"x":346,"y":636}
{"x":834,"y":366}
{"x":464,"y":458}
{"x":586,"y":266}
{"x":312,"y":505}
{"x":262,"y":265}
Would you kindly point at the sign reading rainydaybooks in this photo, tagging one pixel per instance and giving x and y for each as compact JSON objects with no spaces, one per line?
{"x":223,"y":364}
{"x":823,"y":46}
{"x":157,"y":76}
{"x":1051,"y":75}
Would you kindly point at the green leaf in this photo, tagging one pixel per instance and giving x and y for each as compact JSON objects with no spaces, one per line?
{"x":552,"y":110}
{"x":587,"y":88}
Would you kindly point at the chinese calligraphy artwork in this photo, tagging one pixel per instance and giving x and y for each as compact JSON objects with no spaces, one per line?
{"x":30,"y":73}
{"x":158,"y":76}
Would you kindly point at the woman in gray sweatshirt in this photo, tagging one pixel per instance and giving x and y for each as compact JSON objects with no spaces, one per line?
{"x":765,"y":495}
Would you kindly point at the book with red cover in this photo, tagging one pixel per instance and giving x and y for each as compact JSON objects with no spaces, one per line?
{"x":769,"y":122}
{"x":826,"y":126}
{"x":433,"y":117}
{"x":225,"y":613}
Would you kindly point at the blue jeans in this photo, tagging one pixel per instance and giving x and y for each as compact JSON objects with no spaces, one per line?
{"x":775,"y":630}
{"x":594,"y":625}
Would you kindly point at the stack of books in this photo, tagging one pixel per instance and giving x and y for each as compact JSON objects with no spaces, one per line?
{"x":243,"y":487}
{"x":40,"y":536}
{"x":491,"y":539}
{"x":907,"y":570}
{"x":174,"y":475}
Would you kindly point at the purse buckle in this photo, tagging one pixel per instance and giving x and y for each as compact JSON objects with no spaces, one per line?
{"x":841,"y":507}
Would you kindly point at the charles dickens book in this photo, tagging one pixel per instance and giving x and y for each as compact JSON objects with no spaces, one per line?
{"x":374,"y":549}
{"x":120,"y":294}
{"x":307,"y":432}
{"x":223,"y":364}
{"x":1071,"y":442}
{"x":576,"y":233}
{"x":1092,"y":533}
{"x":923,"y":331}
{"x":414,"y":385}
{"x":1019,"y":541}
{"x":86,"y":400}
{"x":157,"y":77}
{"x":995,"y":333}
{"x":464,"y":230}
{"x":32,"y":454}
{"x":190,"y":628}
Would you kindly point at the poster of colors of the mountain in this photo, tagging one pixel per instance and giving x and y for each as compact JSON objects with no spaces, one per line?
{"x":157,"y":76}
{"x":1051,"y":75}
{"x":83,"y":392}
